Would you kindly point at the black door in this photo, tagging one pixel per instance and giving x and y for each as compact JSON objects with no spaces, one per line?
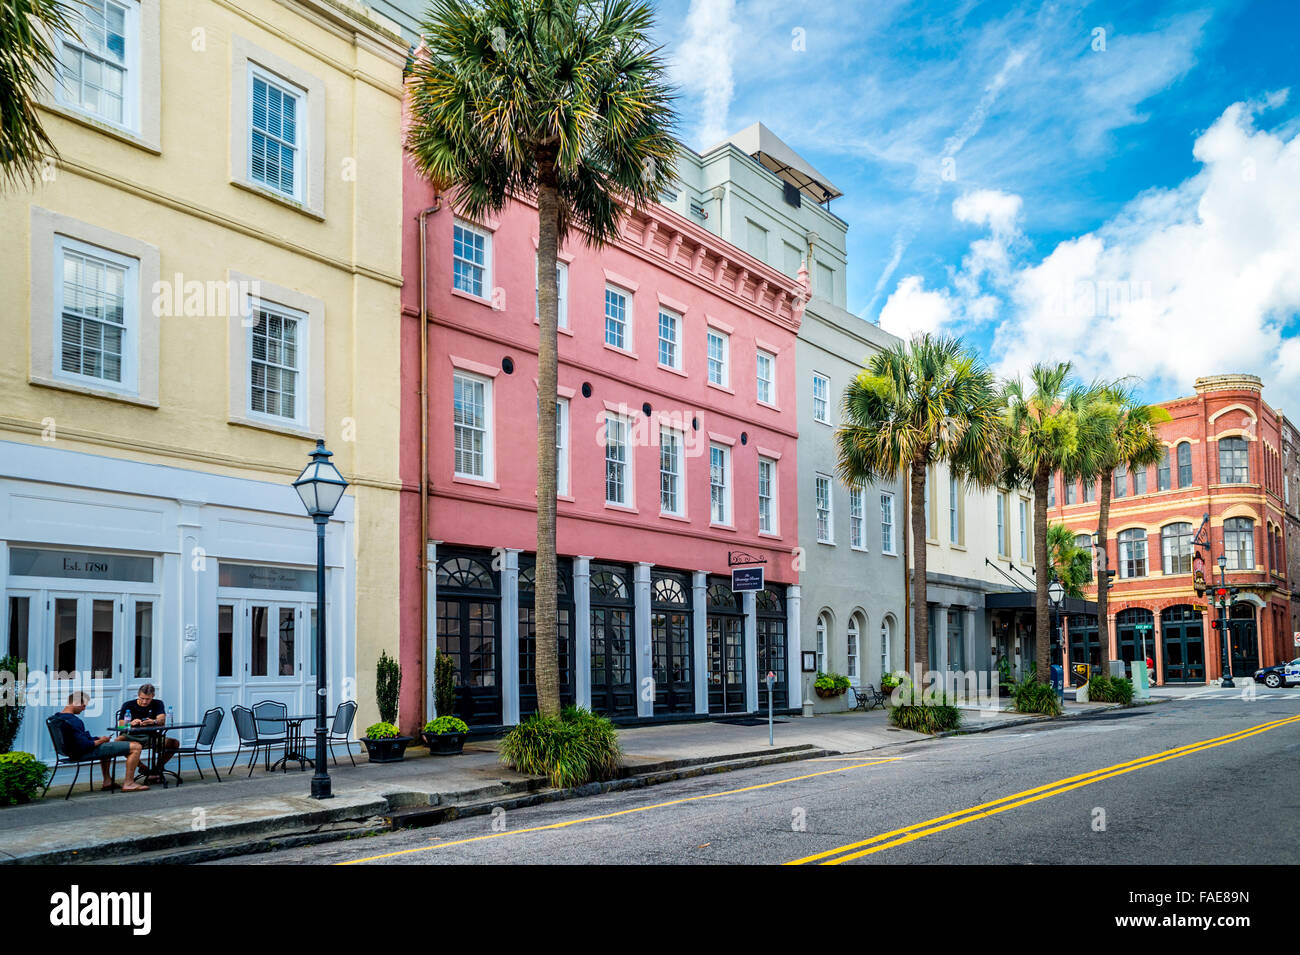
{"x":672,"y":643}
{"x":468,"y":610}
{"x":1085,"y":645}
{"x":1245,"y":640}
{"x":726,"y":650}
{"x":1182,"y":643}
{"x":772,"y":648}
{"x":613,"y":641}
{"x":1134,"y":632}
{"x":528,"y":634}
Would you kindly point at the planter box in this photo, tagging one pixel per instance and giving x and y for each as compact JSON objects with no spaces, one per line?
{"x":387,"y":750}
{"x":444,"y":744}
{"x":828,"y":694}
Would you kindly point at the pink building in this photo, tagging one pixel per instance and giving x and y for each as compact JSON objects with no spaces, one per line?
{"x":677,"y":447}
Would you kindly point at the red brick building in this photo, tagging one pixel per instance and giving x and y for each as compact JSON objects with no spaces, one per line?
{"x":1223,"y":459}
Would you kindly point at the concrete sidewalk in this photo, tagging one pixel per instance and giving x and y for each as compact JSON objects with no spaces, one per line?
{"x":240,"y":812}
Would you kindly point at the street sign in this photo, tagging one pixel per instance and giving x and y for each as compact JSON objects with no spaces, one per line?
{"x":1296,"y":638}
{"x":1142,"y":626}
{"x":746,"y":578}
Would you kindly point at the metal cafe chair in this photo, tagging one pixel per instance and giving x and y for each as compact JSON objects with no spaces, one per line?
{"x":246,"y":730}
{"x":341,"y":729}
{"x":61,"y":758}
{"x":203,"y":744}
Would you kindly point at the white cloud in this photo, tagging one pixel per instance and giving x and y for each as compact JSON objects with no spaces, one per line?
{"x":912,"y":309}
{"x":703,"y":66}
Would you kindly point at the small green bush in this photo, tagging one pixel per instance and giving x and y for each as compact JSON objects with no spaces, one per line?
{"x":446,"y":724}
{"x":1110,"y":689}
{"x":1031,"y":696}
{"x":575,"y":749}
{"x":832,"y":682}
{"x":444,"y":683}
{"x":12,"y":706}
{"x":388,"y":684}
{"x":923,"y":712}
{"x":382,"y":730}
{"x":22,"y":776}
{"x":888,"y":682}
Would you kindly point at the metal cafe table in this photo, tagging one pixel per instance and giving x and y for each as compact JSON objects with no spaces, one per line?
{"x":294,"y":743}
{"x":155,"y":747}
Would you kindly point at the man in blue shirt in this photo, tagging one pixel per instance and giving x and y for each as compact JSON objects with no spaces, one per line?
{"x":79,"y":744}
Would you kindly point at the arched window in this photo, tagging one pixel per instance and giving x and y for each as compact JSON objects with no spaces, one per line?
{"x":1176,"y":548}
{"x":1162,"y":472}
{"x":1185,"y":465}
{"x":851,"y":648}
{"x":1133,"y":553}
{"x":464,"y":573}
{"x":823,"y":631}
{"x":886,"y":633}
{"x":1084,"y":542}
{"x":1239,"y":543}
{"x":1120,"y":488}
{"x":1233,"y":466}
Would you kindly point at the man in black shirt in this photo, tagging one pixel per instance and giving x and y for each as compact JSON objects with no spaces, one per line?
{"x":147,"y":710}
{"x":78,"y":743}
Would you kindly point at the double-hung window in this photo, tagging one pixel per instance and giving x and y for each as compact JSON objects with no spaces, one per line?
{"x":1071,"y":492}
{"x":1176,"y":548}
{"x":1133,"y":553}
{"x":825,"y":534}
{"x":1233,"y":461}
{"x":1004,"y":538}
{"x":821,"y":399}
{"x":275,"y":363}
{"x":670,"y":349}
{"x":98,"y":61}
{"x":1184,"y":465}
{"x":562,"y":446}
{"x":1024,"y":531}
{"x":767,"y":495}
{"x":887,"y":523}
{"x":670,"y":472}
{"x":1089,"y":491}
{"x":765,"y":365}
{"x":96,"y":310}
{"x":1051,"y":491}
{"x":471,"y":260}
{"x":616,"y":319}
{"x":720,"y":484}
{"x":618,"y":486}
{"x":718,"y":359}
{"x":1120,"y":481}
{"x":1140,"y":480}
{"x":471,"y":426}
{"x":956,"y":531}
{"x":1162,"y":472}
{"x":1239,"y":543}
{"x":857,"y":518}
{"x":275,"y":133}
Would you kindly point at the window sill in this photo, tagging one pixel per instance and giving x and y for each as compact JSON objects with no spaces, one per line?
{"x":721,"y":388}
{"x":960,"y":547}
{"x":623,"y":508}
{"x":820,"y":421}
{"x":568,"y":498}
{"x":672,"y":370}
{"x":294,"y":204}
{"x":714,"y":525}
{"x":476,"y":299}
{"x":827,"y":543}
{"x":674,"y":517}
{"x":770,"y":535}
{"x":889,"y":553}
{"x":475,"y":482}
{"x":860,"y":550}
{"x":620,"y":351}
{"x":101,"y":126}
{"x":91,"y":390}
{"x":287,"y":428}
{"x":767,"y":404}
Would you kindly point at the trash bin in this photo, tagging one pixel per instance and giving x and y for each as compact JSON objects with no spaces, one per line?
{"x":1058,"y":678}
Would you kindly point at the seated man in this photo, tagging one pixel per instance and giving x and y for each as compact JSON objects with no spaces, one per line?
{"x":146,"y":710}
{"x":78,"y":744}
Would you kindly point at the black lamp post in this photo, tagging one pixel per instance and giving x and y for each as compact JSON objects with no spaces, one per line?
{"x":1056,"y":593}
{"x":1225,"y":628}
{"x":320,"y":486}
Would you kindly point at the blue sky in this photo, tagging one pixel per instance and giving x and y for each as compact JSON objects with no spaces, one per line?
{"x":1115,"y":183}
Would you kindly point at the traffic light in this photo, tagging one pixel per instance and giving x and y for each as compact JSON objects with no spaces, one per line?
{"x":1214,"y":625}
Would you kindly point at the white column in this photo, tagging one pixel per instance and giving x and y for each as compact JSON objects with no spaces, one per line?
{"x":582,"y":631}
{"x":749,"y":600}
{"x":190,"y":692}
{"x":431,"y":625}
{"x":510,"y":638}
{"x":793,"y":646}
{"x":939,"y":640}
{"x":968,"y":636}
{"x":700,"y":638}
{"x":645,"y":694}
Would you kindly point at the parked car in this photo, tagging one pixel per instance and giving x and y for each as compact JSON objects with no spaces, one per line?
{"x":1283,"y":674}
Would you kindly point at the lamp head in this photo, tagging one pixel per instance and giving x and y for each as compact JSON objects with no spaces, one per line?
{"x":320,"y":485}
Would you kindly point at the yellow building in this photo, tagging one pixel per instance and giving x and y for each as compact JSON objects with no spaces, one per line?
{"x":205,"y":282}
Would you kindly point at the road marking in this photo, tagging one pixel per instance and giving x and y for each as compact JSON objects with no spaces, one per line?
{"x":898,"y":837}
{"x":621,"y":812}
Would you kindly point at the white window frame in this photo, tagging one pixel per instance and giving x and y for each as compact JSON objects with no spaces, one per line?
{"x":1003,"y":532}
{"x":132,"y":79}
{"x":725,"y":362}
{"x":823,"y":633}
{"x":761,"y":357}
{"x":130,"y":377}
{"x":824,"y":399}
{"x":858,"y":518}
{"x":301,"y":118}
{"x":489,"y":423}
{"x":302,"y":370}
{"x":720,"y":502}
{"x":626,"y":344}
{"x":772,"y":522}
{"x":612,"y":419}
{"x":678,"y":440}
{"x":1024,"y":531}
{"x":888,"y":524}
{"x":818,"y":481}
{"x":486,"y":236}
{"x":562,"y":438}
{"x":956,"y":535}
{"x":852,"y":649}
{"x":1127,"y":553}
{"x":675,"y":343}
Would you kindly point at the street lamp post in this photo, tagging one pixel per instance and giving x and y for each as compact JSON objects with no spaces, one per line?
{"x":1056,"y":593}
{"x":321,"y":486}
{"x":1225,"y":628}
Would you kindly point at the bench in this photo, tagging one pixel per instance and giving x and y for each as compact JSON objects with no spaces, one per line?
{"x":868,"y":698}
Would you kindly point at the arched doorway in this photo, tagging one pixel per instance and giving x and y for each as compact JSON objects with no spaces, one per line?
{"x":772,"y":656}
{"x":613,"y":642}
{"x":1245,"y":639}
{"x":1135,"y":633}
{"x":1182,"y":641}
{"x":671,"y":643}
{"x":1084,"y":644}
{"x":469,"y":608}
{"x":564,"y":608}
{"x":726,"y":636}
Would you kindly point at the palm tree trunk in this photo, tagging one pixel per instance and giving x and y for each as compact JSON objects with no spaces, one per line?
{"x":920,"y":607}
{"x":1103,"y":597}
{"x":547,"y":646}
{"x":1042,"y":577}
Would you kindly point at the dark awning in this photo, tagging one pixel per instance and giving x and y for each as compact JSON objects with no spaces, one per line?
{"x":1024,"y":600}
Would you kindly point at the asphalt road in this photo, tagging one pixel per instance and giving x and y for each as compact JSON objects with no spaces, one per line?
{"x":1198,"y":781}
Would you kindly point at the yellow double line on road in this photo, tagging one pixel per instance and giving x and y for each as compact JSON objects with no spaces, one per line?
{"x":621,"y":812}
{"x":919,"y":830}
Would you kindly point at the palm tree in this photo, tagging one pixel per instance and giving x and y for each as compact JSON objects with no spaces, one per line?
{"x":27,"y":58}
{"x":916,"y":404}
{"x":1071,"y":564}
{"x":1054,"y":424}
{"x":563,"y":102}
{"x":1131,"y":441}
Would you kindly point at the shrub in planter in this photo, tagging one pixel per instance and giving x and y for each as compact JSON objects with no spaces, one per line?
{"x":577,"y":748}
{"x":388,"y":683}
{"x":889,"y":682}
{"x":385,"y":742}
{"x":11,"y":702}
{"x":924,"y":712}
{"x":1032,"y":696}
{"x":22,"y":776}
{"x":831,"y":684}
{"x":1110,"y":689}
{"x":444,"y":683}
{"x":445,"y":736}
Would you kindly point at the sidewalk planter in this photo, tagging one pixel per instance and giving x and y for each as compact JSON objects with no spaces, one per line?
{"x":445,"y":736}
{"x":831,"y":685}
{"x":385,"y":744}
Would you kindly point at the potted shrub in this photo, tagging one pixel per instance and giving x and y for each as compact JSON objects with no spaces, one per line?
{"x":22,"y":776}
{"x":831,"y":685}
{"x":889,"y":682}
{"x":445,"y":736}
{"x":385,"y":743}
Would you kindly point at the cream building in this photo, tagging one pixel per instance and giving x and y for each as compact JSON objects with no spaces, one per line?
{"x":205,"y":282}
